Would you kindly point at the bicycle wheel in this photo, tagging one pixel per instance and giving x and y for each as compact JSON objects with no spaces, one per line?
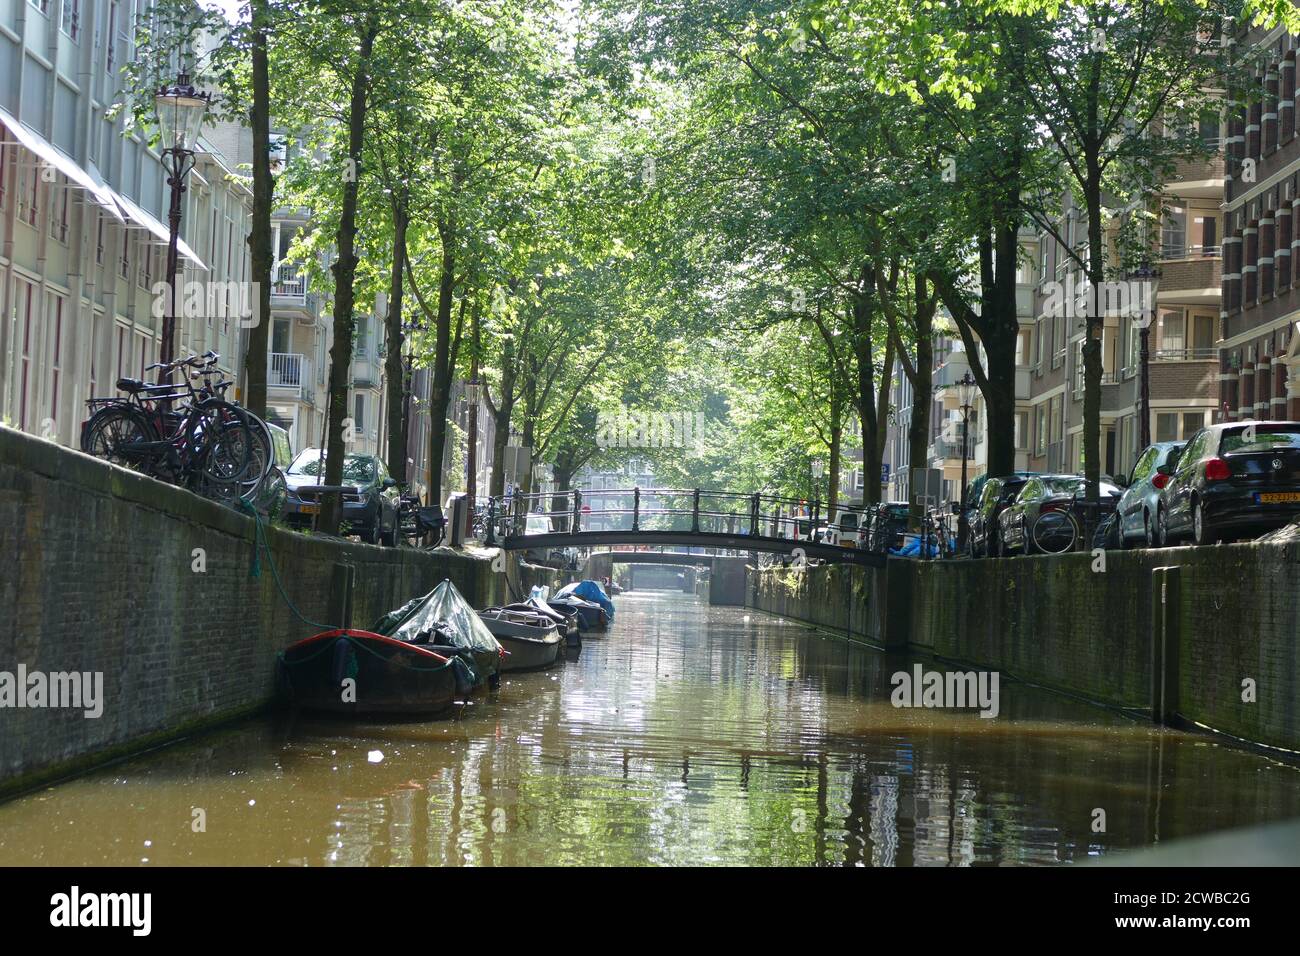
{"x":226,"y":451}
{"x":118,"y":434}
{"x":263,"y":455}
{"x":1055,"y":532}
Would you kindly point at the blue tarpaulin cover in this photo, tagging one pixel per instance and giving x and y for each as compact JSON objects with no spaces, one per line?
{"x":590,"y":591}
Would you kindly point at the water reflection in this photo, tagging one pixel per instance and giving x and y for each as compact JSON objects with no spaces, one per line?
{"x":688,"y":734}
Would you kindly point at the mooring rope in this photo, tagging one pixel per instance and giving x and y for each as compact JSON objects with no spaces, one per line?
{"x":255,"y":571}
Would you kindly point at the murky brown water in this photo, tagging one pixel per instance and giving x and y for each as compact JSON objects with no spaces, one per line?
{"x":688,"y":734}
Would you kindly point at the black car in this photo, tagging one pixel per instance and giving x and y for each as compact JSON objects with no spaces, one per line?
{"x":983,"y":532}
{"x":1233,"y":479}
{"x":370,"y":505}
{"x":1048,"y":515}
{"x":889,"y":526}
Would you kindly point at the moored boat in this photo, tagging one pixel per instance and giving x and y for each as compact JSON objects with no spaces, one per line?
{"x":419,"y":659}
{"x":531,"y":639}
{"x":360,"y":672}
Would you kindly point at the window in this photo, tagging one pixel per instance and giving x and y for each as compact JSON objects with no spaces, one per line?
{"x":363,"y":336}
{"x":1054,"y":425}
{"x":1172,"y":339}
{"x":144,"y":278}
{"x":4,"y":177}
{"x":56,"y":353}
{"x":41,"y":5}
{"x":68,"y":21}
{"x":121,"y":351}
{"x":26,"y":293}
{"x":1021,"y":431}
{"x":1078,"y":367}
{"x":110,"y":39}
{"x":124,"y":263}
{"x":359,"y":419}
{"x":29,"y":203}
{"x":1040,"y":429}
{"x":1022,"y":348}
{"x":1178,"y":426}
{"x":1173,"y":234}
{"x":59,"y":190}
{"x":99,"y":239}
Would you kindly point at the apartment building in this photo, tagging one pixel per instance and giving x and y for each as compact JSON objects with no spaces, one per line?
{"x":1259,"y":352}
{"x":1182,"y":353}
{"x":82,"y":209}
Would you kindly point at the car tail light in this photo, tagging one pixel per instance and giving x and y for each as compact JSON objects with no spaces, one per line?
{"x":1054,"y":506}
{"x":1216,"y":469}
{"x":1160,"y":480}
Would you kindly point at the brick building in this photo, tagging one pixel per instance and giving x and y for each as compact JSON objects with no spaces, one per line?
{"x":1259,"y":352}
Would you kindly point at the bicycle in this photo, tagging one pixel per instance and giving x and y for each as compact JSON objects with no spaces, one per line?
{"x":206,"y":446}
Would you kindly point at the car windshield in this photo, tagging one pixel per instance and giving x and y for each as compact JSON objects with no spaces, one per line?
{"x":355,"y":467}
{"x":848,"y":521}
{"x":1064,"y":486}
{"x":1263,"y":440}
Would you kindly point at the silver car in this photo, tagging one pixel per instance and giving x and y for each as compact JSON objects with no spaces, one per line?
{"x":1138,"y":505}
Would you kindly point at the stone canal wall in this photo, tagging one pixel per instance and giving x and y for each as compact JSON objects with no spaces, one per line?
{"x":1215,"y":643}
{"x":108,"y":572}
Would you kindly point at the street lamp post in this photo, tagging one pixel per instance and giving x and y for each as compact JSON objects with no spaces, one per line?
{"x":966,"y":398}
{"x":1150,"y":278}
{"x":180,"y":110}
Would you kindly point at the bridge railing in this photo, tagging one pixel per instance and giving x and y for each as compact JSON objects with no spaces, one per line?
{"x":692,"y":510}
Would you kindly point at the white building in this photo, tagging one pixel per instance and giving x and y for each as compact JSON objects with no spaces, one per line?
{"x":82,"y":213}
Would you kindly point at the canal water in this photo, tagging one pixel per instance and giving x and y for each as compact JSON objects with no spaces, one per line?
{"x":686,"y":735}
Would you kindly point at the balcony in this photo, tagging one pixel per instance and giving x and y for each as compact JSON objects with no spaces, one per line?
{"x":1200,"y":178}
{"x":951,"y":372}
{"x":1190,"y":275}
{"x":290,"y":283}
{"x":1210,"y":354}
{"x":290,"y":372}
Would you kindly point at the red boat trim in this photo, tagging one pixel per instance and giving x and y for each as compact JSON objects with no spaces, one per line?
{"x":368,"y":635}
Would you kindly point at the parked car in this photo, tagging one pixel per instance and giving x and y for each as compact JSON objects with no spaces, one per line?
{"x":1047,"y":515}
{"x":1231,"y":480}
{"x":370,"y":510}
{"x":268,"y":497}
{"x":890,"y":525}
{"x":1135,"y":522}
{"x":983,"y":531}
{"x":848,"y":529}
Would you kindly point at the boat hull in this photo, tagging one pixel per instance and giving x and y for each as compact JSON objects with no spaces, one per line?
{"x":527,"y":645}
{"x":360,"y":673}
{"x":529,"y":653}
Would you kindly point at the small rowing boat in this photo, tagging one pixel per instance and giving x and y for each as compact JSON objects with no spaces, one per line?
{"x":531,"y":639}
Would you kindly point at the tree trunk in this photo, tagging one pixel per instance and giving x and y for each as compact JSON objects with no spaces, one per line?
{"x":394,"y":365}
{"x":345,"y":269}
{"x":259,"y":239}
{"x":1092,"y":340}
{"x":440,"y":392}
{"x":501,"y":418}
{"x":918,"y":432}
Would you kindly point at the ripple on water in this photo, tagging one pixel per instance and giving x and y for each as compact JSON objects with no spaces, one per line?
{"x":686,"y":734}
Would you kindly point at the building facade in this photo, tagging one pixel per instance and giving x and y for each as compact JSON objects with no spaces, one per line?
{"x":1259,"y":352}
{"x":82,"y":207}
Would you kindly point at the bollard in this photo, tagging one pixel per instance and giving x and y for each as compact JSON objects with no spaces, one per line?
{"x":343,"y":578}
{"x":1165,"y":642}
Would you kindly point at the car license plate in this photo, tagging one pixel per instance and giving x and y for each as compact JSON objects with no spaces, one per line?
{"x":1276,"y":497}
{"x":308,"y":509}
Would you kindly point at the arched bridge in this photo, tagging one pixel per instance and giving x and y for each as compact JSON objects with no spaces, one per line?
{"x":693,"y":517}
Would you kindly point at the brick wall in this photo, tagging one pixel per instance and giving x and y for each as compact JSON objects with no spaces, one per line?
{"x":1056,"y":622}
{"x":100,"y":576}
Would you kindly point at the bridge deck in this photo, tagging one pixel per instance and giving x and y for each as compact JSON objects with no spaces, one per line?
{"x":697,"y":539}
